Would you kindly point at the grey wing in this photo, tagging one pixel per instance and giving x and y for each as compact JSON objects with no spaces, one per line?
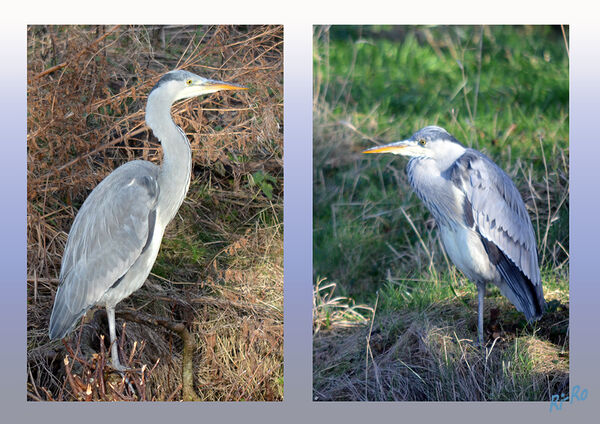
{"x":109,"y":233}
{"x":501,"y":219}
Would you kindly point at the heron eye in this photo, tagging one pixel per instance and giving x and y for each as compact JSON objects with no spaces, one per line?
{"x":422,"y":142}
{"x":189,"y":82}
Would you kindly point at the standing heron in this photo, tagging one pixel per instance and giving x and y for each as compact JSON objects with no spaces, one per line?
{"x":483,"y":223}
{"x":116,"y":235}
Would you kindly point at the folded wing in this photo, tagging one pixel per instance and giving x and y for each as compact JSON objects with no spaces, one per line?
{"x":111,"y":230}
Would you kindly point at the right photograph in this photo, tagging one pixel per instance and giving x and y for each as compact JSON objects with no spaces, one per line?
{"x":440,"y":213}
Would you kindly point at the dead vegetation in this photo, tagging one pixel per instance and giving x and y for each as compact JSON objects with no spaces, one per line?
{"x":220,"y":268}
{"x":330,"y":311}
{"x":403,"y":355}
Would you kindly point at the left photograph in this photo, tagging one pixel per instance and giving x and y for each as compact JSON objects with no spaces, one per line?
{"x":155,"y":213}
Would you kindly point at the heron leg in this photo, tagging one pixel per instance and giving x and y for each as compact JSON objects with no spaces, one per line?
{"x":114,"y":352}
{"x":480,"y":295}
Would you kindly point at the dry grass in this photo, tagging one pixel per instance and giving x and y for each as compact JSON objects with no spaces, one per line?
{"x":403,"y":355}
{"x":330,"y":311}
{"x":220,"y":268}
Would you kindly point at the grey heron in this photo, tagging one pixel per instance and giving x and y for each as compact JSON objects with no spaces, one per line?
{"x":483,"y":222}
{"x":116,"y":235}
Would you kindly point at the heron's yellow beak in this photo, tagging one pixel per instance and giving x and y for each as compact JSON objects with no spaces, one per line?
{"x":388,"y":148}
{"x":204,"y":86}
{"x":214,"y":85}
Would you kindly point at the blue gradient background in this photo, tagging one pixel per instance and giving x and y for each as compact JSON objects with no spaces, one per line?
{"x":298,"y":19}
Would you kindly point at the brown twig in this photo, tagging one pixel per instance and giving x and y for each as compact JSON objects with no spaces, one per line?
{"x":64,"y":64}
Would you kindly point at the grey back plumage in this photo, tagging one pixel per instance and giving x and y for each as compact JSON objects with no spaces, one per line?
{"x":111,"y":230}
{"x":500,"y":217}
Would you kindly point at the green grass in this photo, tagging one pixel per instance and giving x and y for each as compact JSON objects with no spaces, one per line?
{"x":501,"y":90}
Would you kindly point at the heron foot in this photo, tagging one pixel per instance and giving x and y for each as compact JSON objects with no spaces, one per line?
{"x":117,"y":366}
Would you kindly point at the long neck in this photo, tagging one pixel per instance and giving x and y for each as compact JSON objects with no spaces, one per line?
{"x":175,"y":172}
{"x":436,"y":191}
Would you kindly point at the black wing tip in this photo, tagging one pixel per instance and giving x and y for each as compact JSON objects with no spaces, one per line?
{"x":536,"y":316}
{"x":538,"y":305}
{"x":530,"y":298}
{"x":540,"y":308}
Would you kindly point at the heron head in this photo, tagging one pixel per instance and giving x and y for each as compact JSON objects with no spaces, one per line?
{"x":180,"y":84}
{"x":431,"y":142}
